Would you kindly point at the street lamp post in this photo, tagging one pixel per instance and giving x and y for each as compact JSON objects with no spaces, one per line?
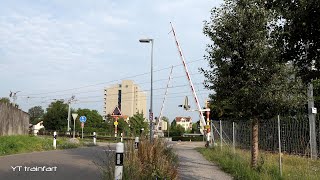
{"x":151,"y":95}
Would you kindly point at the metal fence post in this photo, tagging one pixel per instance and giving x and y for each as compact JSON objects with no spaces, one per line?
{"x":220,"y":135}
{"x":233,"y":138}
{"x":212,"y":133}
{"x":279,"y":136}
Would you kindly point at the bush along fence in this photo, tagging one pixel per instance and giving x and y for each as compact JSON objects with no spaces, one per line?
{"x":294,"y":135}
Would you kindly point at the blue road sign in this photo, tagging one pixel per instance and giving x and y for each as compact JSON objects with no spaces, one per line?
{"x":82,"y":119}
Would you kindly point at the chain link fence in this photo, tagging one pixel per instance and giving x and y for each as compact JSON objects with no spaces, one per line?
{"x":294,"y":131}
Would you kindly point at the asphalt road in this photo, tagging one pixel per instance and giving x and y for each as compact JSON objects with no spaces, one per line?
{"x":78,"y":164}
{"x":193,"y":166}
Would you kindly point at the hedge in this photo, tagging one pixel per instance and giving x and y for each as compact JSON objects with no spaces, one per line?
{"x":177,"y":138}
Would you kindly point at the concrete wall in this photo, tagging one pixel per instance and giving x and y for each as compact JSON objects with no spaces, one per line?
{"x":13,"y":121}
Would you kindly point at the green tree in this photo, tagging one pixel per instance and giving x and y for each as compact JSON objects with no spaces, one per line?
{"x":177,"y":130}
{"x":298,"y":36}
{"x":109,"y":125}
{"x":123,"y":127}
{"x":244,"y":68}
{"x":137,"y":122}
{"x":94,"y":122}
{"x":36,"y":113}
{"x":5,"y":100}
{"x":196,"y":127}
{"x":173,"y":123}
{"x":56,"y":116}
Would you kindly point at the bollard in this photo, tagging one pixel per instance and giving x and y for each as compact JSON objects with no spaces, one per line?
{"x":119,"y":161}
{"x":54,"y":140}
{"x":94,"y":138}
{"x":136,"y":142}
{"x":121,"y":137}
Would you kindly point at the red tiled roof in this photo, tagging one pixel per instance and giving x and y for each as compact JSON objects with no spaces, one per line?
{"x":187,"y":119}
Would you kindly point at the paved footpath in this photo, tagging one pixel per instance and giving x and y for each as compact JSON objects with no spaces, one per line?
{"x":75,"y":164}
{"x":193,"y":166}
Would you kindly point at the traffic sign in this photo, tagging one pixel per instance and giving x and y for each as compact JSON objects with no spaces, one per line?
{"x":116,"y":123}
{"x":82,"y":124}
{"x":82,"y":119}
{"x":74,"y":115}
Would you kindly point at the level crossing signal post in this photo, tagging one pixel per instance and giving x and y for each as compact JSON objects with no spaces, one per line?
{"x":207,"y":126}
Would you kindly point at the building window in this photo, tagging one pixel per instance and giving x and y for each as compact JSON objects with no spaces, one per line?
{"x":119,"y":99}
{"x":127,"y":86}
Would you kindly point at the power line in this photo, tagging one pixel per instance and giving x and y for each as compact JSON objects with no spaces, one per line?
{"x":75,"y":93}
{"x":137,"y":75}
{"x":130,"y":99}
{"x":94,"y":101}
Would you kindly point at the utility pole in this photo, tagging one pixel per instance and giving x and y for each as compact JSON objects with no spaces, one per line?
{"x":312,"y":111}
{"x":69,"y":112}
{"x":14,"y":97}
{"x":312,"y":125}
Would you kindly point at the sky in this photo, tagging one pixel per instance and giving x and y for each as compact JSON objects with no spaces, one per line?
{"x":55,"y":49}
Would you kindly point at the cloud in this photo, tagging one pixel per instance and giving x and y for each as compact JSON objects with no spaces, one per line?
{"x":45,"y":39}
{"x":54,"y":45}
{"x":111,"y":20}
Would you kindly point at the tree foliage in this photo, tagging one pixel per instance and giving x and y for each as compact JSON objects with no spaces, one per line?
{"x":94,"y":122}
{"x":249,"y":79}
{"x":196,"y":127}
{"x":137,"y":122}
{"x":5,"y":100}
{"x":123,"y":127}
{"x":36,"y":113}
{"x":56,"y":116}
{"x":297,"y":35}
{"x":174,"y":123}
{"x":244,"y":68}
{"x":176,"y":129}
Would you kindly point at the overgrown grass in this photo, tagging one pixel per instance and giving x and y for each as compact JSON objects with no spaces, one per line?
{"x":238,"y":165}
{"x":150,"y":161}
{"x":25,"y":143}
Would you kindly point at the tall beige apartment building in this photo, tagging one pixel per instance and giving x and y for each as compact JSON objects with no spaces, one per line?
{"x":127,"y":96}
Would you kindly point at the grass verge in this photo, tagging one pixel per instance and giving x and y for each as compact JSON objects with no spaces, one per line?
{"x":238,"y":165}
{"x":24,"y":143}
{"x":150,"y":161}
